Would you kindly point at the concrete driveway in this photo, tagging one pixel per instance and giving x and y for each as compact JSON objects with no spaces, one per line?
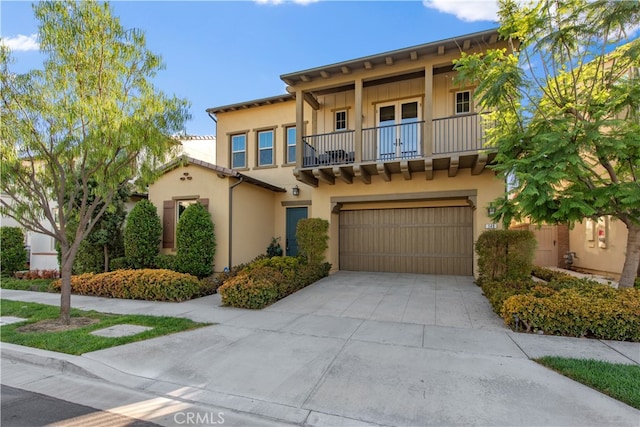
{"x":365,"y":349}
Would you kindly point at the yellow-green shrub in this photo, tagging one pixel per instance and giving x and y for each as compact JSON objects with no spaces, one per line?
{"x":597,"y":311}
{"x":145,"y":284}
{"x":255,"y":288}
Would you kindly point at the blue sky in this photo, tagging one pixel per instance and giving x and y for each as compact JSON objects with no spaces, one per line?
{"x":223,"y":52}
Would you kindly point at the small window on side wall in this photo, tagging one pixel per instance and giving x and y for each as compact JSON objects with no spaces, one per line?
{"x":291,"y":144}
{"x":463,"y":102}
{"x":341,"y":120}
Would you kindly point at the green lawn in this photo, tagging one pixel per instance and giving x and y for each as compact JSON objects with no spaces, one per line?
{"x":622,"y":382}
{"x":40,"y":285}
{"x":79,"y":341}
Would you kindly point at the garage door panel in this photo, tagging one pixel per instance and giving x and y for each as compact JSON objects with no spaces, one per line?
{"x":416,"y":240}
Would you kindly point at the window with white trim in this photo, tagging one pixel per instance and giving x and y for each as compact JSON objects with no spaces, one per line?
{"x":291,"y":144}
{"x":239,"y":151}
{"x":463,"y":102}
{"x":341,"y":120}
{"x":265,"y":148}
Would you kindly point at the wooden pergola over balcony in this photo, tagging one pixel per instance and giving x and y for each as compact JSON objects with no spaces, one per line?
{"x":424,"y":143}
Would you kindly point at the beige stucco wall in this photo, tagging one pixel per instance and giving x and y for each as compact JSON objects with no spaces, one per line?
{"x":591,"y":257}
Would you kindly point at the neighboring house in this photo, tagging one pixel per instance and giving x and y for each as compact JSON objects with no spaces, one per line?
{"x":386,"y":148}
{"x":41,"y":248}
{"x":201,"y":147}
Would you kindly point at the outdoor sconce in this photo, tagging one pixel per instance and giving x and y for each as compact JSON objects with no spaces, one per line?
{"x":295,"y":191}
{"x":491,"y":210}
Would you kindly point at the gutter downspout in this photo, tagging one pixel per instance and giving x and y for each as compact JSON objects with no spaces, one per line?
{"x":231,"y":217}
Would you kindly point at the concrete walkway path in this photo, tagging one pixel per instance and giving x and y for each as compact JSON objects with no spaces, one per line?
{"x":352,"y":349}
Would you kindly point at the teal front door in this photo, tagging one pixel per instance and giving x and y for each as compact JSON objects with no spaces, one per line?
{"x":293,"y":216}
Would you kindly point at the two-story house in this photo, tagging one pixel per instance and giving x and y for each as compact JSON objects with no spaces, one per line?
{"x":387,"y":148}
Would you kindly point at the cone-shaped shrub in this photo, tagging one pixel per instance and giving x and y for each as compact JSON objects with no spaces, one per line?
{"x":13,"y":256}
{"x":142,"y":235}
{"x":196,"y":241}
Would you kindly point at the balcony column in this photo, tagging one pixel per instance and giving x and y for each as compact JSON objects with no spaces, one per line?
{"x":357,"y":137}
{"x":427,"y":112}
{"x":299,"y":127}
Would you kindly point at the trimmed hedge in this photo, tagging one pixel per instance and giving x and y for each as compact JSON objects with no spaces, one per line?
{"x":167,"y":262}
{"x":196,"y":241}
{"x":267,"y":280}
{"x":312,"y":235}
{"x":13,"y":256}
{"x":145,"y":284}
{"x":505,"y":254}
{"x":142,"y":235}
{"x":597,"y":311}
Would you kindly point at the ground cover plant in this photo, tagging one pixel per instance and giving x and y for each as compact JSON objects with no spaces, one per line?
{"x":613,"y":379}
{"x":39,"y":285}
{"x":76,"y":338}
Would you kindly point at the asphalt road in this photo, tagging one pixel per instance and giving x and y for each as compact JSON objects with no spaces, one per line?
{"x":21,"y":408}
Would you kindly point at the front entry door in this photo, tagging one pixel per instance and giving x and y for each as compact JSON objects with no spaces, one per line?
{"x":293,"y":216}
{"x":399,"y":132}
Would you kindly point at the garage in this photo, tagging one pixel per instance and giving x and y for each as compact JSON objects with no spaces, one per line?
{"x":432,"y":240}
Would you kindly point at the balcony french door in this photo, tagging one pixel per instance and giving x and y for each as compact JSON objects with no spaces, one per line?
{"x":399,"y":131}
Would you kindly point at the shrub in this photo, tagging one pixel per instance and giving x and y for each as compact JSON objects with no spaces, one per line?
{"x":497,"y":291}
{"x":253,"y":289}
{"x":142,"y":235}
{"x":167,"y":262}
{"x":208,"y":286}
{"x":13,"y":256}
{"x":274,"y":249}
{"x":144,"y":284}
{"x":120,"y":263}
{"x":312,"y":236}
{"x":505,"y":254}
{"x":548,"y":274}
{"x":196,"y":241}
{"x":89,"y":259}
{"x":236,"y":269}
{"x":597,"y":311}
{"x":37,"y":274}
{"x":267,"y":280}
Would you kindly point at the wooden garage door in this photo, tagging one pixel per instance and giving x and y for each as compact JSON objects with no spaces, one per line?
{"x":416,"y":240}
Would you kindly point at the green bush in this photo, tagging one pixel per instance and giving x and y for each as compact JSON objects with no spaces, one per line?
{"x":142,"y":235}
{"x":505,"y":254}
{"x":548,"y":274}
{"x":497,"y":291}
{"x":167,"y":262}
{"x":13,"y":256}
{"x":236,"y":269}
{"x":196,"y":241}
{"x":89,"y":259}
{"x":120,"y":263}
{"x":274,"y":249}
{"x":254,"y":289}
{"x":597,"y":311}
{"x":267,"y":280}
{"x":144,"y":284}
{"x":208,"y":286}
{"x":312,"y":236}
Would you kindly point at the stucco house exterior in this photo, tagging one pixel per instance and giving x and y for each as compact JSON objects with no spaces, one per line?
{"x":386,"y":148}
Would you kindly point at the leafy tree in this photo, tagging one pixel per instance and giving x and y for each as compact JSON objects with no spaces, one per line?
{"x":13,"y":256}
{"x":142,"y":235}
{"x":567,"y":102}
{"x":196,"y":241}
{"x":91,"y":114}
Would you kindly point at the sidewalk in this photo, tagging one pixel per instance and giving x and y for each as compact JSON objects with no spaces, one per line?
{"x":296,"y":363}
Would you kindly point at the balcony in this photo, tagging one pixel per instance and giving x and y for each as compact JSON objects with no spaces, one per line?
{"x":456,"y":142}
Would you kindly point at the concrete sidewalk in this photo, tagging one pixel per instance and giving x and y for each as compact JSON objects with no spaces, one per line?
{"x":352,"y":349}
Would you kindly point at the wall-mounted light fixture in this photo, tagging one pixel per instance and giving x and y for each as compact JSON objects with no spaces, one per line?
{"x":491,"y":210}
{"x":295,"y":191}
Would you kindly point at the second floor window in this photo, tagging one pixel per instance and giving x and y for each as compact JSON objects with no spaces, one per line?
{"x":238,"y":151}
{"x":341,"y":120}
{"x":463,"y":102}
{"x":265,"y":148}
{"x":291,"y":144}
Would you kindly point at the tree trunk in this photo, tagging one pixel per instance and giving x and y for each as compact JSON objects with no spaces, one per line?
{"x":632,"y":259}
{"x":65,"y":290}
{"x":106,"y":258}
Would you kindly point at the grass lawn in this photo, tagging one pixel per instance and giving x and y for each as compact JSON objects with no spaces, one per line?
{"x":79,"y":341}
{"x":40,"y":285}
{"x":622,"y":382}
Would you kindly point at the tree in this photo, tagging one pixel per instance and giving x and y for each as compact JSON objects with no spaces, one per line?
{"x":142,"y":235}
{"x":566,"y":102}
{"x":91,"y":114}
{"x":196,"y":241}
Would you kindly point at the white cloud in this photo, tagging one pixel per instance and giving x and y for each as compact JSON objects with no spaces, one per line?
{"x":22,"y":43}
{"x":276,"y":2}
{"x":466,"y":10}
